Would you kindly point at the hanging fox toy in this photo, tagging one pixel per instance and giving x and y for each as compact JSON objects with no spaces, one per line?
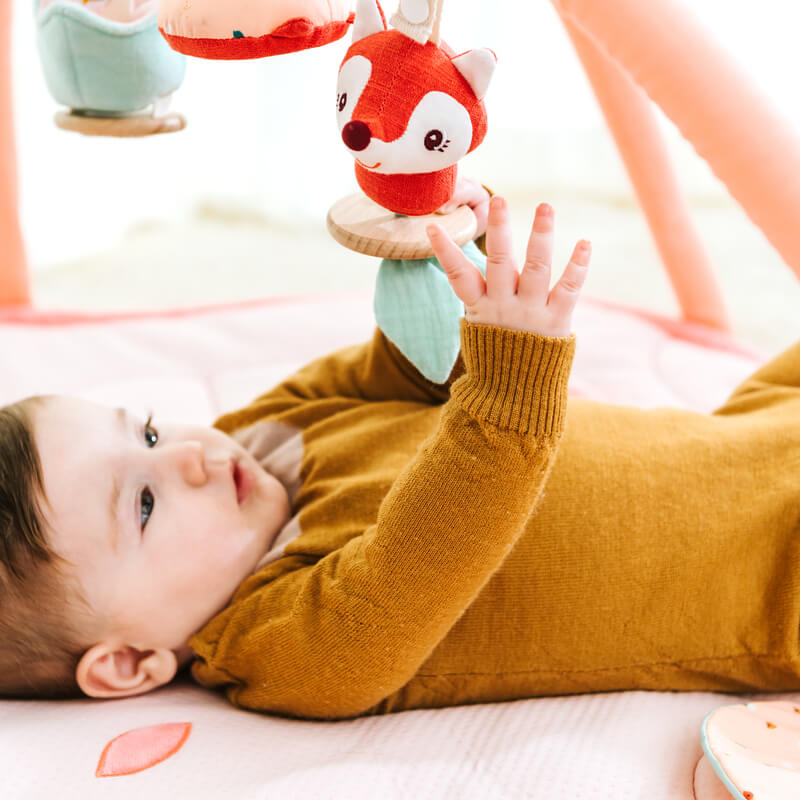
{"x":408,"y":108}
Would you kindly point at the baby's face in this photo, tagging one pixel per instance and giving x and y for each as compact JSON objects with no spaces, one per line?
{"x":165,"y":553}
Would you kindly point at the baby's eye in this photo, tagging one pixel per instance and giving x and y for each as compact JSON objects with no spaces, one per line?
{"x":148,"y":501}
{"x":150,"y":433}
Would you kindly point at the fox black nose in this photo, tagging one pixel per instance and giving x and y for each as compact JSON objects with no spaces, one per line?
{"x":356,"y":135}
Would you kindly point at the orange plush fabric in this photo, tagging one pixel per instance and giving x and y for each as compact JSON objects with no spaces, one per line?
{"x":295,"y":34}
{"x":238,"y":29}
{"x":403,"y":72}
{"x":412,"y":195}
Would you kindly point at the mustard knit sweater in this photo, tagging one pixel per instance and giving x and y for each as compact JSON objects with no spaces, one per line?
{"x":477,"y":541}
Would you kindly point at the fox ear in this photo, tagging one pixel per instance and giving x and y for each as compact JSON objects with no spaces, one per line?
{"x":369,"y":19}
{"x":477,"y":66}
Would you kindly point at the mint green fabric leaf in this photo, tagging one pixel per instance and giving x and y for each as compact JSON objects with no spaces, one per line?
{"x":419,"y":312}
{"x":94,"y":64}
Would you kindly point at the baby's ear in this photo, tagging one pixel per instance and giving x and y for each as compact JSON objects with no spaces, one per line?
{"x":112,"y":669}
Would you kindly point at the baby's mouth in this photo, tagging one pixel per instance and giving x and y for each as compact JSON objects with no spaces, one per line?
{"x":367,"y":166}
{"x":243,"y":479}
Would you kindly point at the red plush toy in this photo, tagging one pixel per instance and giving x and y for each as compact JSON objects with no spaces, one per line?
{"x":408,"y":108}
{"x":237,"y":29}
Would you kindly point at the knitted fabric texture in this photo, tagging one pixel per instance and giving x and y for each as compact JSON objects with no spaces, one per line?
{"x":484,"y":540}
{"x":412,"y":195}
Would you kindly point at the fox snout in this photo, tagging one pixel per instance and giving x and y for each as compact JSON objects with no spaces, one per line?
{"x":356,"y":135}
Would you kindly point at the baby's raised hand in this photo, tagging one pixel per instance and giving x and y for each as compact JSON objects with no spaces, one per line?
{"x":508,"y":298}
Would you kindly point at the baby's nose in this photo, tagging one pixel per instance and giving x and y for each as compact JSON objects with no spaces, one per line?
{"x":191,"y":462}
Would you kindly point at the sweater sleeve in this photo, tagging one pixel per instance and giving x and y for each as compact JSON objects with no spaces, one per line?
{"x":332,"y":639}
{"x":780,"y":374}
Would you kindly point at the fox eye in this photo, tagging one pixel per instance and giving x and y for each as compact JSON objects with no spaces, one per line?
{"x":341,"y":101}
{"x":434,"y":139}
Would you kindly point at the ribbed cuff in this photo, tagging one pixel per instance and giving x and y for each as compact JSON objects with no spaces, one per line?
{"x":514,"y":379}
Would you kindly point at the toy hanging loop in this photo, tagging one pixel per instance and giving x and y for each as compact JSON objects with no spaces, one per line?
{"x":437,"y":23}
{"x":419,"y":19}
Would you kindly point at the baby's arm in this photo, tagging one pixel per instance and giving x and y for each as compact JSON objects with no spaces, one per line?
{"x":334,"y":638}
{"x":782,"y":371}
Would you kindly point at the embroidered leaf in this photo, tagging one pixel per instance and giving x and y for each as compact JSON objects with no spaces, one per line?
{"x":142,"y":748}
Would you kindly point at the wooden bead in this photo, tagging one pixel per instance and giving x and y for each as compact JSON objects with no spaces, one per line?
{"x":362,"y":225}
{"x":119,"y":126}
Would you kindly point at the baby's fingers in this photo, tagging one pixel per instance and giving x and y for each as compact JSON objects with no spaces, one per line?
{"x":564,"y":294}
{"x":464,"y":276}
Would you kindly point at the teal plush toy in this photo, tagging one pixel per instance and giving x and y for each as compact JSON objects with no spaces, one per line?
{"x":107,"y":62}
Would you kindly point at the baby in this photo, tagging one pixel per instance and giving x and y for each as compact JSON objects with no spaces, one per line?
{"x":359,"y":540}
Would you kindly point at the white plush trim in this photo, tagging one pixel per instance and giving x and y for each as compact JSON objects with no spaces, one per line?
{"x":368,"y":20}
{"x":477,"y":66}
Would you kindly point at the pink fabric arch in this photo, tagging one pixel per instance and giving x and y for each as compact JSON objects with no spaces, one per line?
{"x":633,"y":124}
{"x":14,"y":286}
{"x":747,"y":144}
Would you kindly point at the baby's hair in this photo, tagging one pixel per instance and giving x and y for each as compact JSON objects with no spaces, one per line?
{"x":44,"y":617}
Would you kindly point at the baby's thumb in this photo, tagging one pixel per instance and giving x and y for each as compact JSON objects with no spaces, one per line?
{"x":465,"y":278}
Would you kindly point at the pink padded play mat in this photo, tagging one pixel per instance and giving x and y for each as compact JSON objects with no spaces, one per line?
{"x":194,"y":364}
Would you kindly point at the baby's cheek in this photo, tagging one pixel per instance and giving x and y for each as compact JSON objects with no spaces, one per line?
{"x":228,"y":551}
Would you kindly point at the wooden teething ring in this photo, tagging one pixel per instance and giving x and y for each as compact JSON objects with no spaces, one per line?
{"x":362,"y":225}
{"x":119,"y":126}
{"x":147,"y":122}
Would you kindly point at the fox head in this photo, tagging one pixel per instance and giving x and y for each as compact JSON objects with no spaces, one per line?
{"x":409,"y":109}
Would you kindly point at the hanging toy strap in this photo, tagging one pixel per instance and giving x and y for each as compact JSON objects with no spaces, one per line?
{"x":419,"y":19}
